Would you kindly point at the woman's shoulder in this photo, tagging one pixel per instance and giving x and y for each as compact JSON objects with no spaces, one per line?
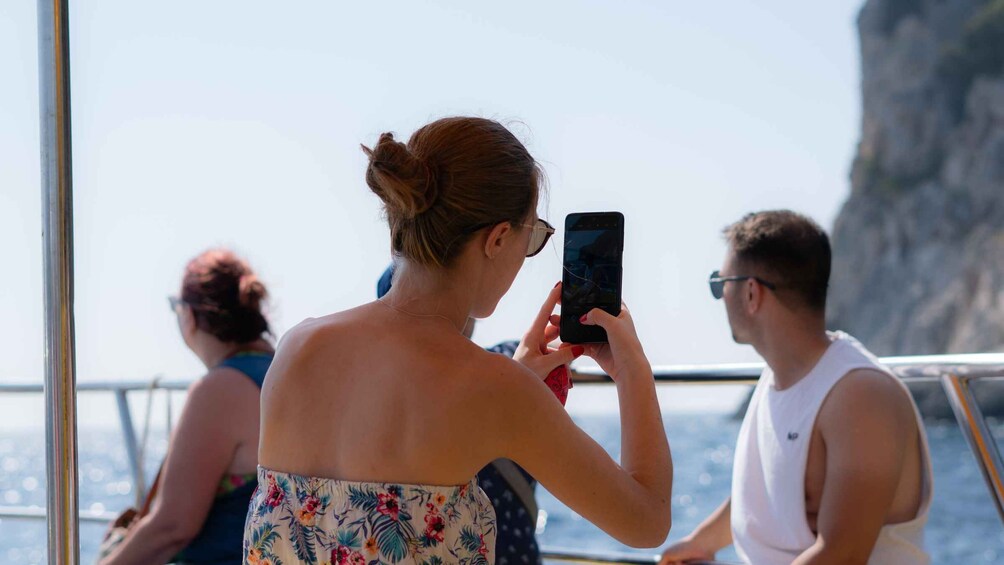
{"x":312,"y":332}
{"x":220,"y":392}
{"x":321,"y":338}
{"x":220,"y":383}
{"x":498,"y":375}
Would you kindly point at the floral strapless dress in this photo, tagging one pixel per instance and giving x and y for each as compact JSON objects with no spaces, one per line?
{"x":297,"y":519}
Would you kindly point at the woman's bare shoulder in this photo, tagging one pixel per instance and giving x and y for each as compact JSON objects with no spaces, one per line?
{"x":313,"y":333}
{"x":308,"y":345}
{"x":222,"y":381}
{"x":503,"y":379}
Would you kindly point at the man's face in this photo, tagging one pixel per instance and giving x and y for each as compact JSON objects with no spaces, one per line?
{"x":732,"y":296}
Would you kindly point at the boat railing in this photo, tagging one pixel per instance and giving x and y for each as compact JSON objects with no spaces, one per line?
{"x":955,"y":373}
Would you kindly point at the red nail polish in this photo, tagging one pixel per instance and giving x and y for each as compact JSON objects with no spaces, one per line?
{"x":577,"y":351}
{"x":582,"y":320}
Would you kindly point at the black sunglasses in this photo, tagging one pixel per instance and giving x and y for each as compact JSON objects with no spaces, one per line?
{"x":542,"y":232}
{"x":717,"y":283}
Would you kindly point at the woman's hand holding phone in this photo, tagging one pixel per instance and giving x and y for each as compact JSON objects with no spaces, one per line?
{"x":622,"y":356}
{"x":535,"y":352}
{"x":637,"y":492}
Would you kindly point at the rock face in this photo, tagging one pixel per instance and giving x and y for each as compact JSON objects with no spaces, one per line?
{"x":919,"y":245}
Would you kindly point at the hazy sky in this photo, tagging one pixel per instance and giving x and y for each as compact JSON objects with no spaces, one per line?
{"x":238,"y":123}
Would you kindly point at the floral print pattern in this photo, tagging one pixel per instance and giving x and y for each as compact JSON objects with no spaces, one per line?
{"x":234,"y":481}
{"x":316,"y":521}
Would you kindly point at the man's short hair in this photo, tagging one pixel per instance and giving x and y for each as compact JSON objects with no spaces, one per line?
{"x":787,"y":249}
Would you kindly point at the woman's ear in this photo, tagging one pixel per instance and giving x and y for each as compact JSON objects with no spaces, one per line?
{"x":497,"y":238}
{"x":186,"y":320}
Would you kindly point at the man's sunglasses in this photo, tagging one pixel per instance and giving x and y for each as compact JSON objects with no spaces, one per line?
{"x":717,"y":283}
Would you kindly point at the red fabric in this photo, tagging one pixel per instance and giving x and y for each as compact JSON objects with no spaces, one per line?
{"x":559,"y":382}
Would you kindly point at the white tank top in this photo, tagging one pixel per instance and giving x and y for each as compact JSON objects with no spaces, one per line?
{"x":769,"y":525}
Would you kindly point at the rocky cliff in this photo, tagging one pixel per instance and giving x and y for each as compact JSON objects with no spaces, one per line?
{"x":919,"y":245}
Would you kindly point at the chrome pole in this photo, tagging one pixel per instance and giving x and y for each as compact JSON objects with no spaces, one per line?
{"x":132,"y":447}
{"x":57,"y":240}
{"x":978,"y":435}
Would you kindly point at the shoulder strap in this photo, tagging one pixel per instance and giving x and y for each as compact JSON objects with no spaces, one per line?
{"x":253,"y":364}
{"x":151,"y":494}
{"x":518,"y":483}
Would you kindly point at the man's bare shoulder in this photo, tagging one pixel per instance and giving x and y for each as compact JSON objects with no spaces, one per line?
{"x":866,"y":396}
{"x":860,"y":385}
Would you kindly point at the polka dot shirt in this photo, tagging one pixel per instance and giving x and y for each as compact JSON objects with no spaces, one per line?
{"x":516,"y":542}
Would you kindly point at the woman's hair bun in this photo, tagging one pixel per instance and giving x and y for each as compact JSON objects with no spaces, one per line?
{"x":453,"y":177}
{"x":251,"y":292}
{"x":407,"y":184}
{"x":225,"y":296}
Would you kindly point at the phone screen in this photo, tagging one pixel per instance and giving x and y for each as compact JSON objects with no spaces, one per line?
{"x":592,"y":272}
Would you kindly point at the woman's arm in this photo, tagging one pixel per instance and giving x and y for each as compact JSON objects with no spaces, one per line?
{"x":631,"y":501}
{"x":199,"y":454}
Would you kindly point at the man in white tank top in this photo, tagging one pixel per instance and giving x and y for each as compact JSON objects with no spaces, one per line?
{"x":831,"y":463}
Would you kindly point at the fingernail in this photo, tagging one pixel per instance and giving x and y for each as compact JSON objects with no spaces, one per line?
{"x":577,"y":350}
{"x":582,"y":320}
{"x":556,"y":284}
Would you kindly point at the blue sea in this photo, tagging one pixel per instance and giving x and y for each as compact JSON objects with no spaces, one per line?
{"x":964,"y":527}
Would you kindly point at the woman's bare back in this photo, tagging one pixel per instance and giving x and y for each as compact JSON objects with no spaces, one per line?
{"x":370,"y":394}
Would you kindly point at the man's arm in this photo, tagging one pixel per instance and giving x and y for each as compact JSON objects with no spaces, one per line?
{"x":714,"y":534}
{"x":865,"y":423}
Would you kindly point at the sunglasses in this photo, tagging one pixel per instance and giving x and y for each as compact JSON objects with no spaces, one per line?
{"x":717,"y":283}
{"x":542,"y":231}
{"x":174,"y":301}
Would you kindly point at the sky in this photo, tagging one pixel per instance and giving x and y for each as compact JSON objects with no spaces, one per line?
{"x":200,"y":124}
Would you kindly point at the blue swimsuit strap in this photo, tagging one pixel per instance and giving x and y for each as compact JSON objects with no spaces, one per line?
{"x":254,"y":364}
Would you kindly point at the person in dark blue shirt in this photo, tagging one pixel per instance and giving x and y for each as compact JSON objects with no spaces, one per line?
{"x":197,"y":506}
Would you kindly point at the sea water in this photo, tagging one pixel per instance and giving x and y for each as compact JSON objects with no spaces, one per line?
{"x":963,"y":527}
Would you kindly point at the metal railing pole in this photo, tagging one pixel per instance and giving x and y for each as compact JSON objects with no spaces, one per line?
{"x":603,"y":558}
{"x":981,"y":440}
{"x":132,"y":447}
{"x":57,"y":237}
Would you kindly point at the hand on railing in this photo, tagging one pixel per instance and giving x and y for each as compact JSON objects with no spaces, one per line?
{"x":686,"y":551}
{"x":610,"y":558}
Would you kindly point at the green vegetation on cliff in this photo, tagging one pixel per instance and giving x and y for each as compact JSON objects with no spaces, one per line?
{"x":980,"y":51}
{"x":895,"y":10}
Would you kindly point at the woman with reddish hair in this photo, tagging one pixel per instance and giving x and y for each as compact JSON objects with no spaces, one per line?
{"x":202,"y":492}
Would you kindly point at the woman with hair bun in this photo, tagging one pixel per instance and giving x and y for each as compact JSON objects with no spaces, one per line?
{"x":376,"y":419}
{"x":202,"y":491}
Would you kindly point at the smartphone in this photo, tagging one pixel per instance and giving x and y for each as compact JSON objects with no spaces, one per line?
{"x":594,"y":244}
